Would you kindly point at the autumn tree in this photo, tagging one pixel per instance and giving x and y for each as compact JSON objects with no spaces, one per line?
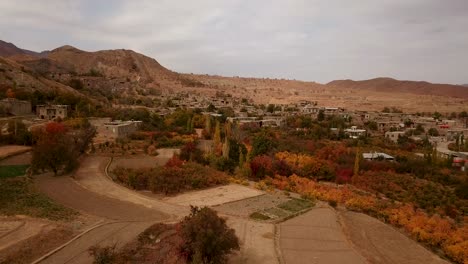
{"x":54,"y":149}
{"x":206,"y":237}
{"x":10,"y":93}
{"x":58,"y":150}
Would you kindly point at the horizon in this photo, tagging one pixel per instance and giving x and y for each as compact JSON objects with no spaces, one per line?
{"x":308,"y":41}
{"x":234,"y":76}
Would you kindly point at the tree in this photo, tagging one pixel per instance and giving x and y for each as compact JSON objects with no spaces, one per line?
{"x":10,"y":93}
{"x":433,"y":132}
{"x":271,"y":108}
{"x":321,"y":115}
{"x":217,"y":136}
{"x":206,"y":237}
{"x":356,"y":162}
{"x":54,"y":149}
{"x":261,"y":145}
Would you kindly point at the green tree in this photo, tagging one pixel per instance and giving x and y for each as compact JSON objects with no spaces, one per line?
{"x":433,"y":132}
{"x":271,"y":108}
{"x":321,"y":115}
{"x":206,"y":237}
{"x":217,"y":134}
{"x":261,"y":145}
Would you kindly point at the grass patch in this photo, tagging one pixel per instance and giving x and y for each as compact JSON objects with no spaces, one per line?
{"x":9,"y":171}
{"x":295,"y":205}
{"x":277,"y":212}
{"x":259,"y":216}
{"x":18,"y":196}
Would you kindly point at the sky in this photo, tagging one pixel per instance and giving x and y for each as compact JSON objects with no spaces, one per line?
{"x":311,"y":40}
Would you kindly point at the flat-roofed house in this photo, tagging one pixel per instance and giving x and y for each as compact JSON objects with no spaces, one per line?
{"x":354,"y":132}
{"x":394,"y":135}
{"x":51,"y":112}
{"x":121,"y":129}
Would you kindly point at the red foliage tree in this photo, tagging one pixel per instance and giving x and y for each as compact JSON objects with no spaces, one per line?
{"x":261,"y":166}
{"x":175,"y":161}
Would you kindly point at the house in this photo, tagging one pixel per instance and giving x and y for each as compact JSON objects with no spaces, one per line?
{"x":354,"y":132}
{"x":384,"y":126}
{"x":394,"y":135}
{"x":15,"y":107}
{"x":310,"y":109}
{"x":121,"y":129}
{"x":51,"y":112}
{"x":377,"y":156}
{"x":330,"y":111}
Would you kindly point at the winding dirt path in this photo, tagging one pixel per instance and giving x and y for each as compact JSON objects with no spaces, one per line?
{"x":93,"y":193}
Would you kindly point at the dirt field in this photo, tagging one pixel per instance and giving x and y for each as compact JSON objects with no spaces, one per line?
{"x":316,"y":237}
{"x":381,"y":243}
{"x":14,"y":231}
{"x":107,"y":235}
{"x":214,"y":196}
{"x":9,"y":150}
{"x":20,"y":159}
{"x":256,"y":240}
{"x":244,"y":208}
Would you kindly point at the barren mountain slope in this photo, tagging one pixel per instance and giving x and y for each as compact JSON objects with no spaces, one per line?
{"x":17,"y":75}
{"x":396,"y":86}
{"x":124,"y":76}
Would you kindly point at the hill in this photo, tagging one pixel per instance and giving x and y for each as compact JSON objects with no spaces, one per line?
{"x":8,"y":49}
{"x":124,"y":77}
{"x":397,"y":86}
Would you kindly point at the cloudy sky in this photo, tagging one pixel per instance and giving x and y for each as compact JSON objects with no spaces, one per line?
{"x":315,"y":40}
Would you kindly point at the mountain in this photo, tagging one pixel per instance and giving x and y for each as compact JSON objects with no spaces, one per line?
{"x":466,"y":85}
{"x":396,"y":86}
{"x":8,"y":49}
{"x":124,"y":77}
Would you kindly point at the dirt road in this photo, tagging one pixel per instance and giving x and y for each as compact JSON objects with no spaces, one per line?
{"x":381,"y":243}
{"x":122,"y":220}
{"x":91,"y":176}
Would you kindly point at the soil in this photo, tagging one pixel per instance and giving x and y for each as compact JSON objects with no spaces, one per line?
{"x":20,"y":159}
{"x":316,"y":237}
{"x":381,"y":243}
{"x":256,"y":241}
{"x":10,"y":150}
{"x":244,"y":208}
{"x":30,"y":249}
{"x":214,"y":196}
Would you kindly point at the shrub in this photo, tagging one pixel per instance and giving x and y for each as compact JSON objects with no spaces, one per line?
{"x":206,"y":237}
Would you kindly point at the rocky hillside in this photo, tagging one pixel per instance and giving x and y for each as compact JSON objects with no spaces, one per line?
{"x":124,"y":77}
{"x":395,"y":86}
{"x":8,"y":49}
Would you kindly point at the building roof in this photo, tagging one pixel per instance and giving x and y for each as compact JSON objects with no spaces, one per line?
{"x":376,"y":155}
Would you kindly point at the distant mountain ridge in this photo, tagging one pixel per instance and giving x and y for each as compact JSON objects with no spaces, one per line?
{"x":8,"y":49}
{"x":123,"y":77}
{"x":398,"y":86}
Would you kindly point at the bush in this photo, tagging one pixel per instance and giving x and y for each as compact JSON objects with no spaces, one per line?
{"x":104,"y":255}
{"x":173,"y":178}
{"x":206,"y":237}
{"x":332,"y":203}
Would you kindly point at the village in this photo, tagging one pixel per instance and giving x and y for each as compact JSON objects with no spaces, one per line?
{"x":439,"y":129}
{"x":272,"y":171}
